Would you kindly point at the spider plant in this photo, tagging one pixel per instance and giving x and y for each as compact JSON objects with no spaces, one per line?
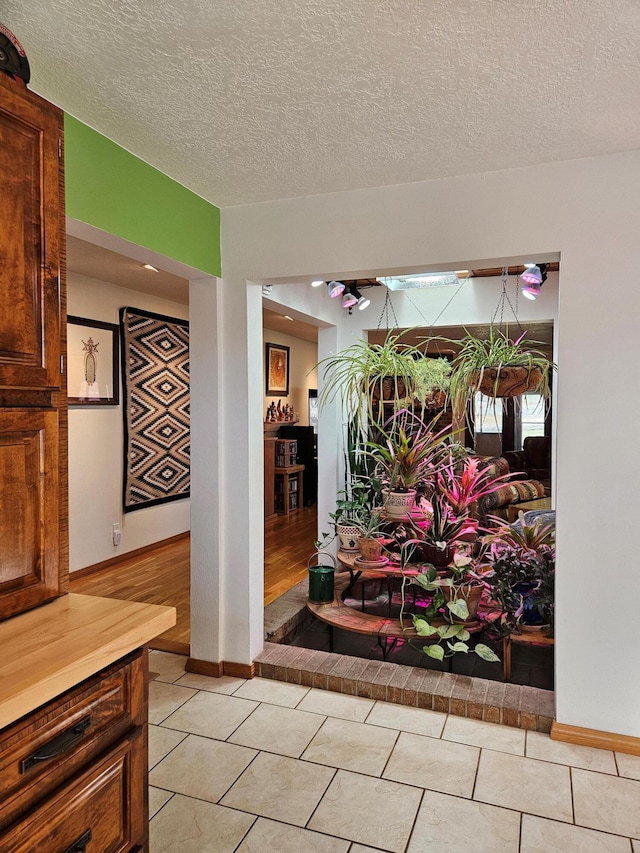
{"x":496,"y":352}
{"x":356,"y":375}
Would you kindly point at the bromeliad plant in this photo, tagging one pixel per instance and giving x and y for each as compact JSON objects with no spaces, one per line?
{"x":463,"y":488}
{"x":408,"y":452}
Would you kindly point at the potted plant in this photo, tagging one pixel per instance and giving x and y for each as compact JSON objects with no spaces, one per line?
{"x":442,"y":623}
{"x":437,"y":534}
{"x":462,"y":484}
{"x":349,"y":504}
{"x":498,"y":367}
{"x":407,"y":453}
{"x":371,"y":538}
{"x":432,"y":378}
{"x":366,"y":376}
{"x":522,"y":575}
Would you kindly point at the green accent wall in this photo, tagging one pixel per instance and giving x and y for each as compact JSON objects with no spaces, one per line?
{"x":113,"y":190}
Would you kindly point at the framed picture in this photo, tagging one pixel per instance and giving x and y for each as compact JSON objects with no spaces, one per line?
{"x":92,"y":363}
{"x":277,"y":370}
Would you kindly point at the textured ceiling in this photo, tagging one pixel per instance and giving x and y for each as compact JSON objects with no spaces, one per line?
{"x":253,"y":100}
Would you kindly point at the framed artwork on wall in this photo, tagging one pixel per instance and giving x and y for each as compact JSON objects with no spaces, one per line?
{"x":277,"y":370}
{"x":92,"y":363}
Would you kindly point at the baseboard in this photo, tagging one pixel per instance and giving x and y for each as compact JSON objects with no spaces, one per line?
{"x":216,"y":669}
{"x":595,"y":738}
{"x":120,"y":558}
{"x":239,"y":670}
{"x":204,"y":667}
{"x":173,"y":646}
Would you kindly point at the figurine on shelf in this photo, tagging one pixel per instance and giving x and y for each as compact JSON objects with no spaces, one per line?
{"x":271,"y":414}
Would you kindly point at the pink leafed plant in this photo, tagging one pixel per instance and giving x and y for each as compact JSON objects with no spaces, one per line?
{"x":473,"y":483}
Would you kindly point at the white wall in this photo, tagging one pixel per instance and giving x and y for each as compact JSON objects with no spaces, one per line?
{"x":588,"y":211}
{"x":303,"y":356}
{"x":96,"y":439}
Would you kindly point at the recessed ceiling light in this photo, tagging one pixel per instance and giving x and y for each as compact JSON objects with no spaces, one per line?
{"x":150,"y":267}
{"x":287,"y":317}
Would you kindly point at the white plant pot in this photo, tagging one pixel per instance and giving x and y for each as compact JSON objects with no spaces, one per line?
{"x":399,"y":504}
{"x":347,"y":536}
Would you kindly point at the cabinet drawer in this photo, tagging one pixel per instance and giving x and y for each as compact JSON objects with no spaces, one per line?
{"x":101,"y":811}
{"x":44,"y":749}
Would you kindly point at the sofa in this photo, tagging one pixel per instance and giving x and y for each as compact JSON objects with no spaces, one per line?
{"x":518,"y":489}
{"x":534,"y":459}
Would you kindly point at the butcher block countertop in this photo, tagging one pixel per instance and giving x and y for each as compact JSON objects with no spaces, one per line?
{"x":50,"y":649}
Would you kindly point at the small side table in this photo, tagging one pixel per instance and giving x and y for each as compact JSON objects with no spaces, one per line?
{"x":525,"y":639}
{"x":291,"y":493}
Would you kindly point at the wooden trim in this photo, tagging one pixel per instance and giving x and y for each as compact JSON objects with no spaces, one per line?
{"x":239,"y":670}
{"x":130,"y":555}
{"x":175,"y":647}
{"x":204,"y":667}
{"x":595,"y":738}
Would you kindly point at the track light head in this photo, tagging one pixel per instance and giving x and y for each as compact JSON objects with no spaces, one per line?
{"x":349,"y":299}
{"x":532,"y":280}
{"x":336,"y":288}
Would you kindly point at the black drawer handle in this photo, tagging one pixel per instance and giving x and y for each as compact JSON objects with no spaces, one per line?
{"x":59,"y":745}
{"x":80,"y":845}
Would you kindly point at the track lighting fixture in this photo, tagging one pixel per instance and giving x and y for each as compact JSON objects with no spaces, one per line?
{"x":349,"y":298}
{"x":532,"y":280}
{"x":336,"y":288}
{"x":317,"y":282}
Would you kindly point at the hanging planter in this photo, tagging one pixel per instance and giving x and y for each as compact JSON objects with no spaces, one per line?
{"x":498,"y":367}
{"x":507,"y":381}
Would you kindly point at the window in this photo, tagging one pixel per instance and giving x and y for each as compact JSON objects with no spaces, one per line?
{"x":488,"y":414}
{"x":531,"y":421}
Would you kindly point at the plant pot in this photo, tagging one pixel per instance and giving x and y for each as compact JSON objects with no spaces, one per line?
{"x":506,"y":381}
{"x":531,"y":617}
{"x":347,"y":536}
{"x":370,"y":549}
{"x":398,"y":505}
{"x":471,"y":593}
{"x":427,"y":553}
{"x":388,"y":389}
{"x":435,"y":400}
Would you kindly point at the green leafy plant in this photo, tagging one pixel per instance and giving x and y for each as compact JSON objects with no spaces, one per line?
{"x":498,"y":351}
{"x":521,"y":576}
{"x":432,"y":379}
{"x":356,"y":375}
{"x":443,"y":620}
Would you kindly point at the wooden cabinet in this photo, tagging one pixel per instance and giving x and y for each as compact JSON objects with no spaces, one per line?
{"x":33,"y":460}
{"x":73,"y":773}
{"x":31,"y":238}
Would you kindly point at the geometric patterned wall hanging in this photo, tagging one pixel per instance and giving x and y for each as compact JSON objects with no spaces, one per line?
{"x":155,"y":379}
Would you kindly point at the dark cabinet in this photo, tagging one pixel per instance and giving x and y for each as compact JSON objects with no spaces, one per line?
{"x":305,"y":455}
{"x":33,"y":478}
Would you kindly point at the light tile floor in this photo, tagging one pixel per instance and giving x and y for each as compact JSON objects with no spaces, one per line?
{"x":259,"y":766}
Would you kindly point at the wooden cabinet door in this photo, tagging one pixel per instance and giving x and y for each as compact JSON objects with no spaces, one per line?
{"x":30,"y":238}
{"x":29,"y":508}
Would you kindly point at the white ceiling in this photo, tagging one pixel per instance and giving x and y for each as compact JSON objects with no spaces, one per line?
{"x":253,"y":100}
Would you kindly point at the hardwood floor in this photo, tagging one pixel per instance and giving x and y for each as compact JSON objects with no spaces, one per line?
{"x":161,"y":576}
